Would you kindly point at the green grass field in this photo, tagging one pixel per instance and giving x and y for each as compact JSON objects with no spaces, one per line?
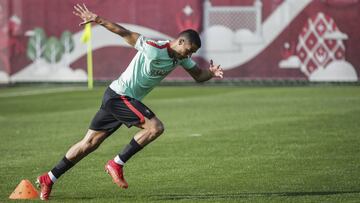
{"x":221,"y":144}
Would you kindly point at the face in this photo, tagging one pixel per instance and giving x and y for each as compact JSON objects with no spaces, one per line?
{"x":186,"y":49}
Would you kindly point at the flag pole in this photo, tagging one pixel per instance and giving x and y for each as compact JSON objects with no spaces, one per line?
{"x":90,"y":65}
{"x":86,"y":38}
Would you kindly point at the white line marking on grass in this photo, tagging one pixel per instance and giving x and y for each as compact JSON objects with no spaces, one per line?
{"x":40,"y":91}
{"x":195,"y":135}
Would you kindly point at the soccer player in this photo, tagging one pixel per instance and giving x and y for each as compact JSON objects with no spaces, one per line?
{"x":121,"y":102}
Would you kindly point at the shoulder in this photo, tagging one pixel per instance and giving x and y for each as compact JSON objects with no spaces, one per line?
{"x":152,"y":48}
{"x":145,"y":44}
{"x":157,"y":44}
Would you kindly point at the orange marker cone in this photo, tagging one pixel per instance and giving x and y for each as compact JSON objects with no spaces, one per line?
{"x":25,"y":190}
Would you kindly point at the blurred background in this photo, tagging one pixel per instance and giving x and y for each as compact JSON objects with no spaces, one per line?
{"x":294,"y":141}
{"x":292,"y":40}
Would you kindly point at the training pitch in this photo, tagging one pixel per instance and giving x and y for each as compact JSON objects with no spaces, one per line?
{"x":221,"y":144}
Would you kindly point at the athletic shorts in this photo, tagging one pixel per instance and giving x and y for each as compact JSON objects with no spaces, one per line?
{"x":116,"y":110}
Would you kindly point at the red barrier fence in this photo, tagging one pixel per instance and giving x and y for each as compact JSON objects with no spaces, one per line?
{"x":252,"y":39}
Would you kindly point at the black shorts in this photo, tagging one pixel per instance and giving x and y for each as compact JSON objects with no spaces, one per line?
{"x":116,"y":110}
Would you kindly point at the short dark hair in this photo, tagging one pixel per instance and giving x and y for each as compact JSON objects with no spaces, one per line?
{"x":192,"y":36}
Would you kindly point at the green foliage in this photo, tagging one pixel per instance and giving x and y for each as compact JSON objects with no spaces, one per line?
{"x":67,"y":41}
{"x":35,"y":44}
{"x":53,"y":50}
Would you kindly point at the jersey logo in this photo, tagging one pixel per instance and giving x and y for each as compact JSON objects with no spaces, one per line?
{"x":156,"y":72}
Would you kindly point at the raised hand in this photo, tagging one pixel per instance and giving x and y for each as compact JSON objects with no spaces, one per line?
{"x":86,"y":15}
{"x":215,"y":70}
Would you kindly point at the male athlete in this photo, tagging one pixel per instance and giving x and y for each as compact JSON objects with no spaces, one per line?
{"x":122,"y":104}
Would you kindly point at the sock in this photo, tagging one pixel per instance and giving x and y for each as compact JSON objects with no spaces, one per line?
{"x":60,"y":169}
{"x":52,"y":177}
{"x":132,"y":148}
{"x":118,"y":160}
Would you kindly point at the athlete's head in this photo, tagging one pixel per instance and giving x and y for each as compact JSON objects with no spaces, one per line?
{"x":192,"y":36}
{"x":188,"y":42}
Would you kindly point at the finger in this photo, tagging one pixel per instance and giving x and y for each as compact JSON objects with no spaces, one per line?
{"x":77,"y":9}
{"x":77,"y":6}
{"x":86,"y":9}
{"x":76,"y":14}
{"x":81,"y":8}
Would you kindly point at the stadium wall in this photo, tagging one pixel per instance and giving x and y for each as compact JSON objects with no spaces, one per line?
{"x":252,"y":39}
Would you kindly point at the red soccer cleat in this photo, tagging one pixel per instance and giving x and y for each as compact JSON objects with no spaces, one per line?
{"x":116,"y":172}
{"x":45,"y":184}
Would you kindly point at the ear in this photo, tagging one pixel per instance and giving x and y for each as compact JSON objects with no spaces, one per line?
{"x":181,"y":41}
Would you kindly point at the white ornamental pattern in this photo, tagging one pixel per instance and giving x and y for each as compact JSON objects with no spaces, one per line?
{"x":320,"y":43}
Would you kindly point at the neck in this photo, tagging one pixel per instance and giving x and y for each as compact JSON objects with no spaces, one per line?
{"x":172,"y":53}
{"x":171,"y":50}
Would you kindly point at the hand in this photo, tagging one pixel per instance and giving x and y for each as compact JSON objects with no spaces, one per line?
{"x":86,"y":15}
{"x":215,"y":70}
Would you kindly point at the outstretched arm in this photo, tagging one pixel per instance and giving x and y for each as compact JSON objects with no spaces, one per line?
{"x":202,"y":75}
{"x":88,"y":17}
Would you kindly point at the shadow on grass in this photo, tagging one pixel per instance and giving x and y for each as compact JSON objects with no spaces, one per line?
{"x":59,"y":198}
{"x":246,"y":195}
{"x":230,"y":196}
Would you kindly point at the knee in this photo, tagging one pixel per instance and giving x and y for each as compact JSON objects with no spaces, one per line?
{"x":157,"y":129}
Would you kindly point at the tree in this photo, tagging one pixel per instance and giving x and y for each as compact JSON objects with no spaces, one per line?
{"x":36,"y":44}
{"x":53,"y":50}
{"x":68,"y":44}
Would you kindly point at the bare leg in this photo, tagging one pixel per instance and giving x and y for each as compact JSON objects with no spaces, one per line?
{"x":151,"y":130}
{"x":88,"y":144}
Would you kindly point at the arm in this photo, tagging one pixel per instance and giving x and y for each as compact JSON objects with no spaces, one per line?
{"x":88,"y":17}
{"x":202,"y":75}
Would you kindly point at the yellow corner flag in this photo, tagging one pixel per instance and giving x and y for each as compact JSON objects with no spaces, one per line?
{"x":86,"y":38}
